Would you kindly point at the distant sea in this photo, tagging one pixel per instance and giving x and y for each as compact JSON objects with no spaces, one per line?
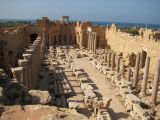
{"x":99,"y":23}
{"x":128,"y":25}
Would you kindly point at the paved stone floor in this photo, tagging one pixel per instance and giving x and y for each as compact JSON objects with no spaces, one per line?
{"x":103,"y":88}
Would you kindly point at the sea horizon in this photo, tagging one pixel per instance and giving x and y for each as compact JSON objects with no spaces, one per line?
{"x":98,"y":23}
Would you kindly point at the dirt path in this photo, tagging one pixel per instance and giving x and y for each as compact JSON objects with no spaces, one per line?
{"x":104,"y":87}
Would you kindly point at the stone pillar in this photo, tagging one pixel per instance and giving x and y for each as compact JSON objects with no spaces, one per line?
{"x":105,"y":58}
{"x":88,"y":40}
{"x":128,"y":74}
{"x":95,"y":44}
{"x":118,"y":63}
{"x":112,"y":61}
{"x":122,"y":68}
{"x":108,"y":59}
{"x":31,"y":51}
{"x":145,"y":76}
{"x":136,"y":71}
{"x":91,"y":42}
{"x":38,"y":47}
{"x":28,"y":58}
{"x":17,"y":74}
{"x":155,"y":84}
{"x":34,"y":64}
{"x":23,"y":64}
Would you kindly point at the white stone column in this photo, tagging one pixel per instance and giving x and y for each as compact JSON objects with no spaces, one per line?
{"x":28,"y":58}
{"x":23,"y":63}
{"x":17,"y":74}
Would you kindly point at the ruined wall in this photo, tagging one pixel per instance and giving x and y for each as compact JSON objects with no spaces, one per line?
{"x":125,"y":43}
{"x":16,"y":40}
{"x":81,"y":33}
{"x":100,"y":30}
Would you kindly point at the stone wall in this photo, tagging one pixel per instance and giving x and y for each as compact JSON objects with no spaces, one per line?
{"x":127,"y":44}
{"x":100,"y":30}
{"x":16,"y":40}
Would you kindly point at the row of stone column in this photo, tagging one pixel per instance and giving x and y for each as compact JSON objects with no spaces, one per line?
{"x":115,"y":62}
{"x":92,"y":41}
{"x":27,"y":72}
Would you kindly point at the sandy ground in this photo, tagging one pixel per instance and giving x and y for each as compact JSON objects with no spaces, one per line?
{"x":103,"y":88}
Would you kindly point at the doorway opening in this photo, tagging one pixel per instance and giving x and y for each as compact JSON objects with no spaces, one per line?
{"x":33,"y":37}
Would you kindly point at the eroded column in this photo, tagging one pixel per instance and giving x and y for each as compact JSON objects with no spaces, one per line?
{"x":28,"y":58}
{"x":136,"y":71}
{"x":145,"y":77}
{"x":122,"y":68}
{"x":112,"y":61}
{"x":95,"y":44}
{"x":155,"y":85}
{"x":118,"y":63}
{"x":23,"y":64}
{"x":108,"y":59}
{"x":128,"y":74}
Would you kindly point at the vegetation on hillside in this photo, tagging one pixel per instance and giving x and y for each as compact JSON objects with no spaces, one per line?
{"x":13,"y":23}
{"x":132,"y":31}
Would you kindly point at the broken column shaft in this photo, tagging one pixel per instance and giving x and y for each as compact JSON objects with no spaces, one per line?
{"x":155,"y":84}
{"x":145,"y":76}
{"x":128,"y":74}
{"x":108,"y":59}
{"x":136,"y":71}
{"x":118,"y":63}
{"x":112,"y":61}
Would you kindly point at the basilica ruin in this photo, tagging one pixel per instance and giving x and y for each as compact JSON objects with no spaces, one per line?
{"x":76,"y":70}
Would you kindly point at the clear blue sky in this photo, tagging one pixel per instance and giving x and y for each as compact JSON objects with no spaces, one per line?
{"x":136,"y":11}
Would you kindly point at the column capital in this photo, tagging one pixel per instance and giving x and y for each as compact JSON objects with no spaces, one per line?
{"x":22,"y":62}
{"x":27,"y":56}
{"x":17,"y":71}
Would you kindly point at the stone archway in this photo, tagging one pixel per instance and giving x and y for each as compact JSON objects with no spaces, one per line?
{"x":33,"y":37}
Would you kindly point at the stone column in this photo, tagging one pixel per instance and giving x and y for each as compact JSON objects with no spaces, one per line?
{"x":145,"y":76}
{"x":155,"y":85}
{"x":108,"y":59}
{"x":118,"y":63}
{"x":17,"y":74}
{"x":128,"y":74}
{"x":38,"y":47}
{"x":23,"y":64}
{"x":31,"y":51}
{"x":88,"y":40}
{"x":136,"y":71}
{"x":28,"y":58}
{"x":122,"y":68}
{"x":112,"y":61}
{"x":34,"y":64}
{"x":91,"y":41}
{"x":95,"y":44}
{"x":105,"y":58}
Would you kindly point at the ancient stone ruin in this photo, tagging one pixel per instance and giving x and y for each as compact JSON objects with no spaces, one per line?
{"x":76,"y":70}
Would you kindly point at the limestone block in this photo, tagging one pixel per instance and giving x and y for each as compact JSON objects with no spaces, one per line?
{"x":40,"y":97}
